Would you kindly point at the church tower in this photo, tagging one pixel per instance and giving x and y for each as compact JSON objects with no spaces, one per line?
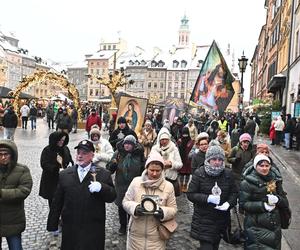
{"x":184,"y":33}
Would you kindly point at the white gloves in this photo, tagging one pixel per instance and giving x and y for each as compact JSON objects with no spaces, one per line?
{"x":272,"y":199}
{"x":95,"y":186}
{"x":223,"y":207}
{"x":268,"y":207}
{"x":215,"y":199}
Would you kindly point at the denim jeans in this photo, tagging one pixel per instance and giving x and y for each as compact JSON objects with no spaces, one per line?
{"x":287,"y":137}
{"x":9,"y":133}
{"x":14,"y":242}
{"x":33,"y":122}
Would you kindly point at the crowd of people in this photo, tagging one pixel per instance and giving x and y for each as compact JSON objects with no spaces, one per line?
{"x":215,"y":161}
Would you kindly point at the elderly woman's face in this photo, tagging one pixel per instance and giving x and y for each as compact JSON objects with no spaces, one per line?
{"x":164,"y":142}
{"x":263,"y":167}
{"x":154,"y":171}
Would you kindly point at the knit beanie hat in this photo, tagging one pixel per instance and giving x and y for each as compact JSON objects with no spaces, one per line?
{"x":164,"y":134}
{"x":214,"y":152}
{"x":259,"y":158}
{"x":155,"y":157}
{"x":129,"y":139}
{"x":262,"y":147}
{"x":245,"y":137}
{"x":121,"y":119}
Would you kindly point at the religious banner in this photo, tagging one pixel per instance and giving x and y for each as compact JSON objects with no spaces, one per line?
{"x":213,"y":88}
{"x":173,"y":108}
{"x":133,"y":109}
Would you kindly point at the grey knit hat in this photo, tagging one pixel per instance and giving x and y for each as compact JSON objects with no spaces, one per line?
{"x":130,"y":139}
{"x":214,"y":152}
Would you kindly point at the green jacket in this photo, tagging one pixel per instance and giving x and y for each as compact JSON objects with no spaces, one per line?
{"x":262,"y":228}
{"x":15,"y":186}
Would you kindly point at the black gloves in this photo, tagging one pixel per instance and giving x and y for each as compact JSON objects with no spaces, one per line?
{"x":159,"y":214}
{"x":139,"y":211}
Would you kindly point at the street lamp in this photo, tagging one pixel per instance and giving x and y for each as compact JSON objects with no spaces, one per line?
{"x":242,"y":65}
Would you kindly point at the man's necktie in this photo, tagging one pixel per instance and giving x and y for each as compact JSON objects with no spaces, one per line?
{"x":81,"y":174}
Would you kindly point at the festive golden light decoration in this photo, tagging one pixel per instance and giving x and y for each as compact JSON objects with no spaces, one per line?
{"x":113,"y":81}
{"x":46,"y":77}
{"x":271,"y":187}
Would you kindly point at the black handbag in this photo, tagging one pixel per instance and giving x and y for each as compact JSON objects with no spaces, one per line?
{"x":285,"y":217}
{"x":237,"y":236}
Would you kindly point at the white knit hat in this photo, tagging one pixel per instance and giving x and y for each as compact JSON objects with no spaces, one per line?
{"x":259,"y":158}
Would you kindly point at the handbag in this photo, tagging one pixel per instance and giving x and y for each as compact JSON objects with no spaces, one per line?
{"x":237,"y":236}
{"x":166,"y":229}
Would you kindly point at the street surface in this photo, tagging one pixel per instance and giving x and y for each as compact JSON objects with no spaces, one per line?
{"x":30,"y":144}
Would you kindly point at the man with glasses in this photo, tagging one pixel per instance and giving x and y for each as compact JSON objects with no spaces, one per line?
{"x":80,"y":199}
{"x":15,"y":186}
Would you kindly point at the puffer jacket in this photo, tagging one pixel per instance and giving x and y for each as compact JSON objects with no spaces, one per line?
{"x":142,"y":230}
{"x":208,"y":223}
{"x":15,"y":186}
{"x":262,"y":228}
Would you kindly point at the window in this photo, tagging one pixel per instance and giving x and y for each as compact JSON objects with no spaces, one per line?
{"x":175,"y":64}
{"x":272,"y":70}
{"x":182,"y":95}
{"x":149,"y":84}
{"x":183,"y":64}
{"x":109,"y":47}
{"x":97,"y":92}
{"x":162,"y":74}
{"x":149,"y":75}
{"x":153,"y":64}
{"x":91,"y":71}
{"x":114,"y":46}
{"x":91,"y":92}
{"x":176,"y":76}
{"x":143,"y":62}
{"x":104,"y":47}
{"x":161,"y":85}
{"x":130,"y":62}
{"x":182,"y":85}
{"x":161,"y":64}
{"x":155,"y":85}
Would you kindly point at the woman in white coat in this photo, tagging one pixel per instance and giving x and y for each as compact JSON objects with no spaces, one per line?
{"x":143,"y":227}
{"x":170,"y":153}
{"x":103,"y":149}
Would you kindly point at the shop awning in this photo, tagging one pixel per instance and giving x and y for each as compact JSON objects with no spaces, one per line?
{"x":277,"y":82}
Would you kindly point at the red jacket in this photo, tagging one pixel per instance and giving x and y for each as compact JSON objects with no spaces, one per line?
{"x":272,"y":132}
{"x":92,"y":120}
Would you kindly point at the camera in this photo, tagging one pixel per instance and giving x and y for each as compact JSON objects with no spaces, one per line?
{"x":150,"y":203}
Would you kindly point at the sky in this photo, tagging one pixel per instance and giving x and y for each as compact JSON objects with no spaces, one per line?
{"x":67,"y":30}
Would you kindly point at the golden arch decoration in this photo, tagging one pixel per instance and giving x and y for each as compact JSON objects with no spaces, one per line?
{"x":44,"y":77}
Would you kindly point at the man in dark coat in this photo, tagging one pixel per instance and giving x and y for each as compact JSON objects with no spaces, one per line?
{"x":15,"y":186}
{"x":10,"y":122}
{"x":64,"y":122}
{"x":80,"y":199}
{"x":121,"y":132}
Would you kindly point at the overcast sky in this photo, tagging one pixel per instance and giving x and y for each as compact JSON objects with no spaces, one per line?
{"x":66,"y":30}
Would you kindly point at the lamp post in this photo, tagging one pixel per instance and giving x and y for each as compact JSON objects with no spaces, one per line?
{"x":242,"y":66}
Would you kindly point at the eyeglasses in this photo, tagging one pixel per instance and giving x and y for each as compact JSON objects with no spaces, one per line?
{"x":4,"y":155}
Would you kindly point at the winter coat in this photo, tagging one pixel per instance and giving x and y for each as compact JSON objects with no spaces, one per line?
{"x":50,"y":165}
{"x":198,"y":160}
{"x":262,"y":228}
{"x":10,"y":119}
{"x":92,"y":120}
{"x":103,"y":153}
{"x":15,"y":186}
{"x":193,"y":131}
{"x":119,"y":134}
{"x":64,"y":121}
{"x":142,"y":230}
{"x":209,"y":223}
{"x":184,"y":153}
{"x":250,"y":127}
{"x":33,"y":112}
{"x":239,"y":158}
{"x":171,"y":153}
{"x":147,"y":139}
{"x":125,"y":173}
{"x":82,"y":212}
{"x":272,"y":133}
{"x":279,"y":124}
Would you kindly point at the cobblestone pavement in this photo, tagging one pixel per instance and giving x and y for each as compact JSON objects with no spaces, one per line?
{"x":30,"y":144}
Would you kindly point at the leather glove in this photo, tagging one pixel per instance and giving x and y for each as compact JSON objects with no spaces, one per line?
{"x":223,"y":207}
{"x":214,"y":199}
{"x":95,"y":186}
{"x":272,"y":199}
{"x":268,"y":207}
{"x":139,"y":211}
{"x":159,"y":214}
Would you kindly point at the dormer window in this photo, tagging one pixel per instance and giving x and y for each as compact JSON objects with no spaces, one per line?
{"x":183,"y":64}
{"x":137,"y":62}
{"x":153,"y":64}
{"x":175,"y":64}
{"x":143,"y":62}
{"x":130,"y":62}
{"x":161,"y":64}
